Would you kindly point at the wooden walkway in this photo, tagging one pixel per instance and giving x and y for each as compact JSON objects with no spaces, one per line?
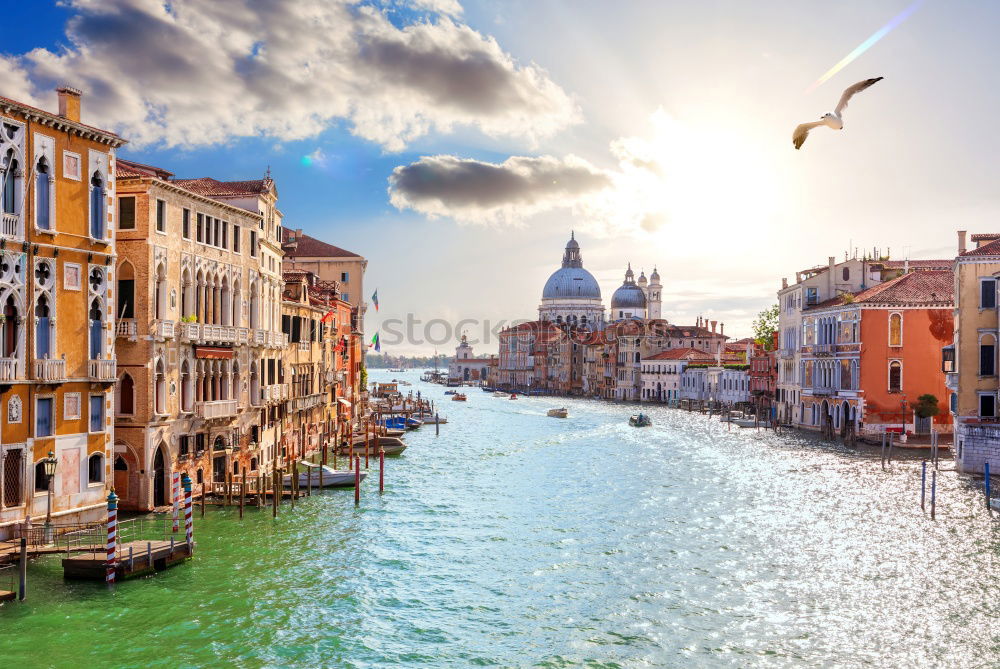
{"x":135,"y":558}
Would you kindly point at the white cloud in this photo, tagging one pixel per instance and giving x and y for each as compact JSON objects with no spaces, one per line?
{"x":676,"y":177}
{"x":447,"y":7}
{"x":189,"y":73}
{"x":481,"y":192}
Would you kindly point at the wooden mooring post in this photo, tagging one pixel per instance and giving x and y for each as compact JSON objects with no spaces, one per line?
{"x":294,"y":473}
{"x":437,"y":425}
{"x":22,"y":571}
{"x":986,"y":483}
{"x":243,"y":490}
{"x":923,"y":483}
{"x":274,"y":491}
{"x":381,"y":469}
{"x":933,"y":492}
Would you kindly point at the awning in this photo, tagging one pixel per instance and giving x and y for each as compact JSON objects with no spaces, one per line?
{"x":341,"y":400}
{"x":213,"y":353}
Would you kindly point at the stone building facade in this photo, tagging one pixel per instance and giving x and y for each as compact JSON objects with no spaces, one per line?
{"x":57,"y":296}
{"x":197,"y":338}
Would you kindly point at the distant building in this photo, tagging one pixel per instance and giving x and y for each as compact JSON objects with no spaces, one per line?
{"x":661,"y":372}
{"x":466,"y":367}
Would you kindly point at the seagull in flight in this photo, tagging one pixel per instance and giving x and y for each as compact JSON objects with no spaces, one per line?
{"x":832,"y":119}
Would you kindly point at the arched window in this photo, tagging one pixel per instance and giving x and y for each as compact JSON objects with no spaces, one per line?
{"x":95,"y":468}
{"x":126,"y":291}
{"x":97,"y":206}
{"x":187,"y":385}
{"x":43,"y":194}
{"x":160,"y":389}
{"x":43,"y":334}
{"x":41,"y":478}
{"x":126,"y":395}
{"x":8,"y":194}
{"x":895,"y":329}
{"x":96,"y":330}
{"x":847,"y":274}
{"x":10,"y":328}
{"x":895,"y":376}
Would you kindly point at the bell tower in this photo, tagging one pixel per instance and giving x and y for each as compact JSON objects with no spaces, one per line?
{"x":654,"y":296}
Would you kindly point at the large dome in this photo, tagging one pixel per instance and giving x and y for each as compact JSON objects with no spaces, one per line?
{"x":628,"y":296}
{"x":571,"y":282}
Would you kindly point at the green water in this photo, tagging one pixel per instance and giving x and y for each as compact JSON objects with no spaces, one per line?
{"x":514,"y":539}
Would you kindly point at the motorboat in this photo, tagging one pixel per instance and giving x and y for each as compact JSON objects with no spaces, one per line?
{"x":332,"y":478}
{"x":499,"y":393}
{"x":451,"y":392}
{"x":558,"y":413}
{"x":391,"y":445}
{"x":640,"y":420}
{"x":513,"y":396}
{"x":458,"y":397}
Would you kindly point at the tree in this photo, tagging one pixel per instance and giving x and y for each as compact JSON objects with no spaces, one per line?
{"x":764,"y":327}
{"x":926,"y":406}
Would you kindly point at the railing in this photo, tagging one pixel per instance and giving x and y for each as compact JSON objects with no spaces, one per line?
{"x":126,"y":328}
{"x":10,"y":226}
{"x":163,"y":329}
{"x":981,"y":431}
{"x":951,"y":380}
{"x":103,"y":370}
{"x":274,"y":392}
{"x":308,"y":402}
{"x":222,"y":334}
{"x":242,"y":335}
{"x":190,"y":331}
{"x":304,"y":345}
{"x":822,"y":349}
{"x":258,"y":337}
{"x":8,"y":369}
{"x":216,"y":409}
{"x":58,"y":533}
{"x":50,"y":370}
{"x":277,"y":340}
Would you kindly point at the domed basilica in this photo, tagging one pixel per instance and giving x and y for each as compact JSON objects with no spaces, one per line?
{"x":572,"y":295}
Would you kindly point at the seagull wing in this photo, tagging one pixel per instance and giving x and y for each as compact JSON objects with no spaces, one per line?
{"x":802,"y":131}
{"x":851,"y":90}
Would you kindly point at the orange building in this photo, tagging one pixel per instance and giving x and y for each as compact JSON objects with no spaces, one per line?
{"x":57,"y":365}
{"x":868,"y":356}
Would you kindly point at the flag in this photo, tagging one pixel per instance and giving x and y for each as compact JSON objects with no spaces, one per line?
{"x":375,"y":343}
{"x":328,"y":317}
{"x":375,"y":301}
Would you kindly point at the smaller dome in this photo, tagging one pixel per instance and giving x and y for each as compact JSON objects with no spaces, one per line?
{"x":642,"y":278}
{"x":628,"y":296}
{"x":655,"y":276}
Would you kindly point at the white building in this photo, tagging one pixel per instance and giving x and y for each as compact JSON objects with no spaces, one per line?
{"x":661,"y":373}
{"x":467,"y":367}
{"x":571,"y":295}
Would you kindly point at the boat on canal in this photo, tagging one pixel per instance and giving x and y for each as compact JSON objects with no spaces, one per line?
{"x":458,"y":397}
{"x":499,"y":393}
{"x":513,"y":396}
{"x":391,"y":445}
{"x":640,"y":420}
{"x":558,"y":413}
{"x":332,"y":478}
{"x":451,"y":392}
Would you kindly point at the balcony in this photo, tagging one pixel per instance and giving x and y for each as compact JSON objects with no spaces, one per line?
{"x":304,"y":345}
{"x":126,"y":328}
{"x":8,"y":369}
{"x":216,"y":409}
{"x":951,"y":381}
{"x":51,"y":371}
{"x":103,"y":370}
{"x":822,"y":349}
{"x":218,"y":334}
{"x":276,"y":392}
{"x":10,"y":227}
{"x":308,"y":402}
{"x":163,"y":329}
{"x":190,"y":332}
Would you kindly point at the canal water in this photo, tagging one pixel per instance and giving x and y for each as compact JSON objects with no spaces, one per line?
{"x":514,"y":539}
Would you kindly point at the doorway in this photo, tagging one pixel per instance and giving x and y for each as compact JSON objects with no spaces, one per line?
{"x":121,"y":477}
{"x":159,"y":479}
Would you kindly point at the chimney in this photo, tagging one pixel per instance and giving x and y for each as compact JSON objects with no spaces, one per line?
{"x":69,"y":103}
{"x":961,"y":242}
{"x":784,"y":282}
{"x":798,"y":277}
{"x":722,"y":327}
{"x":906,"y":266}
{"x":713,"y":326}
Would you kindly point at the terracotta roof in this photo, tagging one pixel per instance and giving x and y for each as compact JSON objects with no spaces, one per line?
{"x":985,"y":236}
{"x":929,"y":287}
{"x":990,"y":249}
{"x":682,"y":354}
{"x":303,"y":246}
{"x":125,"y":169}
{"x":214,"y":188}
{"x":37,"y":110}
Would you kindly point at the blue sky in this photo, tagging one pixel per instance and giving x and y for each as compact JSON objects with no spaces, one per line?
{"x":665,"y":129}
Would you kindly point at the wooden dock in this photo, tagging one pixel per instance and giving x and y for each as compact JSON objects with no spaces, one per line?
{"x":136,"y":558}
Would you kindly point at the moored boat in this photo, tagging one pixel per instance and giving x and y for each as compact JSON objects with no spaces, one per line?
{"x":499,"y":394}
{"x":391,"y":445}
{"x":558,"y":413}
{"x":332,"y":478}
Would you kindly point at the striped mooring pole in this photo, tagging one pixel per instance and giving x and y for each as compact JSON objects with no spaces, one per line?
{"x":188,"y":517}
{"x":112,"y":537}
{"x":175,"y":491}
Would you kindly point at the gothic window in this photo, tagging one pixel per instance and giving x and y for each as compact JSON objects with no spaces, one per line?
{"x":8,"y":192}
{"x":43,"y":334}
{"x":126,"y":395}
{"x":96,"y":330}
{"x":895,"y":376}
{"x":43,"y":194}
{"x":97,"y":206}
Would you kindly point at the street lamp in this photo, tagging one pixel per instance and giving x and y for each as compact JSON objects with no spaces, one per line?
{"x":49,"y":464}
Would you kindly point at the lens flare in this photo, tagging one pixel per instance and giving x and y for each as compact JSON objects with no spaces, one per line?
{"x":867,"y":44}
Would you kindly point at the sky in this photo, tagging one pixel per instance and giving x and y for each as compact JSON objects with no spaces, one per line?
{"x":455,"y":144}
